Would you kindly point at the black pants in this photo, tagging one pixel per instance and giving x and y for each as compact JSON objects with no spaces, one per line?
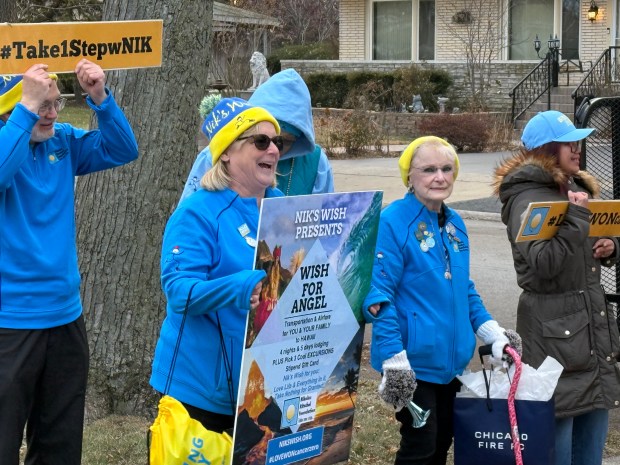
{"x":43,"y":384}
{"x":212,"y":421}
{"x":428,"y":445}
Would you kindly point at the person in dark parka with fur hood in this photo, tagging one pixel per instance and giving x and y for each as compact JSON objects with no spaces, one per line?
{"x":562,"y":311}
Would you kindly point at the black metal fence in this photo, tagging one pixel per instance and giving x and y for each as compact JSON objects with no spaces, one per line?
{"x":601,"y":158}
{"x":602,"y":80}
{"x":532,"y":87}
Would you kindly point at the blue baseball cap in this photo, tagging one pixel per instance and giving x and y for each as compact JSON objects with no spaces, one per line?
{"x":551,"y":126}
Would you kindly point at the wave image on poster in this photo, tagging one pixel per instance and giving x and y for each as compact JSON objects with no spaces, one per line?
{"x":304,"y":341}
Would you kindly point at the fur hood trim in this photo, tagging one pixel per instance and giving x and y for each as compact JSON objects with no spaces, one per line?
{"x":547,"y":164}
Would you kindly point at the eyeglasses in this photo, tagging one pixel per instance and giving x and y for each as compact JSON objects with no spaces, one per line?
{"x":288,"y":142}
{"x":58,"y":105}
{"x":432,"y":170}
{"x":575,"y":147}
{"x":262,"y":141}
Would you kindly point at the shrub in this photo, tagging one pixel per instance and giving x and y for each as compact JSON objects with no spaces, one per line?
{"x":327,"y":89}
{"x":468,"y":132}
{"x":418,"y":81}
{"x":379,"y":91}
{"x":369,"y":91}
{"x":355,"y":131}
{"x":315,"y":51}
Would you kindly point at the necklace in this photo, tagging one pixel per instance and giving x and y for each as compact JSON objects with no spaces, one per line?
{"x":290,"y":177}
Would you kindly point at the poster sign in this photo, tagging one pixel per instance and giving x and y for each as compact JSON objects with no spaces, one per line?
{"x":541,"y":220}
{"x":304,"y":340}
{"x":110,"y":44}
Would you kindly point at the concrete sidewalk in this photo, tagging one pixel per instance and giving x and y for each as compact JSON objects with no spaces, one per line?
{"x":472,"y":195}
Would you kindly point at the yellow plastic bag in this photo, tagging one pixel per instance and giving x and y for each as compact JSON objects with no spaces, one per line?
{"x":177,"y":439}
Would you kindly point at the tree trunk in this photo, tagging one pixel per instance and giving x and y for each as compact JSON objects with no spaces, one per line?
{"x":121,"y":213}
{"x":8,"y":11}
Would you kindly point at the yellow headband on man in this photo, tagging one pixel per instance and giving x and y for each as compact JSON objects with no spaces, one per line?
{"x":404,"y":163}
{"x":11,"y":91}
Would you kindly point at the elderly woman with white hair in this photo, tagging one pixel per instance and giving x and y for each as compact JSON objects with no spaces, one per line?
{"x":207,"y":260}
{"x":423,"y":305}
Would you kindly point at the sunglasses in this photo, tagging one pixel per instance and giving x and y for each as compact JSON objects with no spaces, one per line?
{"x":262,"y":141}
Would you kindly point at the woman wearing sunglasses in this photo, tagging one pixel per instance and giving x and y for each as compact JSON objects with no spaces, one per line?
{"x":562,"y":311}
{"x":206,"y":264}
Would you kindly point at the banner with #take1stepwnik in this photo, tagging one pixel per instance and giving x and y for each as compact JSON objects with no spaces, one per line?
{"x":304,"y":341}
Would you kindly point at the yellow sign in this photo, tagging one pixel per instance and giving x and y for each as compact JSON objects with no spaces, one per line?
{"x":542,"y":219}
{"x":112,"y":45}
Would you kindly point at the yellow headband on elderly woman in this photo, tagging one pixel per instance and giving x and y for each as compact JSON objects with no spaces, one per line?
{"x":404,"y":163}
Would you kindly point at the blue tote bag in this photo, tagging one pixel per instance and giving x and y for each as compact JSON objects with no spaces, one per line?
{"x":482,"y":432}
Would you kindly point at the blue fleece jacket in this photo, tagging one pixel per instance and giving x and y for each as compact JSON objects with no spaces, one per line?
{"x":39,"y":277}
{"x":208,"y":244}
{"x":286,"y":96}
{"x":430,"y":307}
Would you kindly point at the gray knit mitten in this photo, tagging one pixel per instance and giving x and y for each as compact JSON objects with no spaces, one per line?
{"x":398,"y":382}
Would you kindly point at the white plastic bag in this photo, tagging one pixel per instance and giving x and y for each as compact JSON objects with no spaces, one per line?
{"x":535,"y":384}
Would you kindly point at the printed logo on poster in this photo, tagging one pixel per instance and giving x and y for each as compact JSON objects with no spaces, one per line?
{"x":535,"y":221}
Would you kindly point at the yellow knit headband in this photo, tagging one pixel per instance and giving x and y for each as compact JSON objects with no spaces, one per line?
{"x":404,"y":162}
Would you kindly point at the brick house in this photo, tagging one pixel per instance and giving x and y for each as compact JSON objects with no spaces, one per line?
{"x":387,"y":34}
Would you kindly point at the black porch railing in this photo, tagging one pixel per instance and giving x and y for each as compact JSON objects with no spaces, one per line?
{"x":602,"y":80}
{"x":533,"y":86}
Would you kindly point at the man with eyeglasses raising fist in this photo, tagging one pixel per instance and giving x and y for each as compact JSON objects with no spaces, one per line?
{"x":43,"y":346}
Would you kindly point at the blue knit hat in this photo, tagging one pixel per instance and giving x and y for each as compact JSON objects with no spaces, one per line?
{"x":551,"y":126}
{"x":11,"y":91}
{"x":230,"y":118}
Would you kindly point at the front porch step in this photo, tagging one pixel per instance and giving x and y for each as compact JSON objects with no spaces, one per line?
{"x":561,"y":100}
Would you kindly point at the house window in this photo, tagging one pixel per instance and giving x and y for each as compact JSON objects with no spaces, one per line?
{"x":391,"y":28}
{"x":570,"y":29}
{"x":531,"y":17}
{"x":427,"y":30}
{"x":528,"y":18}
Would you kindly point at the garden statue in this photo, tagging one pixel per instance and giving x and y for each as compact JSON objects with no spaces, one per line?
{"x":442,"y":103}
{"x":258,"y":66}
{"x":416,"y":106}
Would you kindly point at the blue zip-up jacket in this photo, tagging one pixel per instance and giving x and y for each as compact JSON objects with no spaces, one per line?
{"x":286,"y":96}
{"x":431,"y":307}
{"x":209,"y":243}
{"x":39,"y":276}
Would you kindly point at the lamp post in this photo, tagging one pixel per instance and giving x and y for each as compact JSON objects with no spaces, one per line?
{"x":537,"y":45}
{"x":554,"y":50}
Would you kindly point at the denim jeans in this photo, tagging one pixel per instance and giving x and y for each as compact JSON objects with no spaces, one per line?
{"x":580,"y":440}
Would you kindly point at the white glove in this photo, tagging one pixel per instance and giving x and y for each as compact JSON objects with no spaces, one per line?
{"x":398,"y":381}
{"x":491,"y":333}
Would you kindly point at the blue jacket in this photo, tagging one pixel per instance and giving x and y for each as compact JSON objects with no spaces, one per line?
{"x":432,"y":308}
{"x":286,"y":96}
{"x":208,"y":243}
{"x":39,"y":277}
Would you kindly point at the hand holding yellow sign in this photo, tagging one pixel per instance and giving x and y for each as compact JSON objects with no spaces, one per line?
{"x":62,"y":45}
{"x":542,"y":219}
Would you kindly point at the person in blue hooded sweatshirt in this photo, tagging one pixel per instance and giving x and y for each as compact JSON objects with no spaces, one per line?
{"x":43,"y":344}
{"x":304,"y":167}
{"x":206,"y":264}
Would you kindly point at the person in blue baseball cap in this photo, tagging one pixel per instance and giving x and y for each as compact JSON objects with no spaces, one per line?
{"x":43,"y":343}
{"x":562,"y":311}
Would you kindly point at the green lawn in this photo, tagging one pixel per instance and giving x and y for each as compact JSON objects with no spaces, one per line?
{"x":77,"y":114}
